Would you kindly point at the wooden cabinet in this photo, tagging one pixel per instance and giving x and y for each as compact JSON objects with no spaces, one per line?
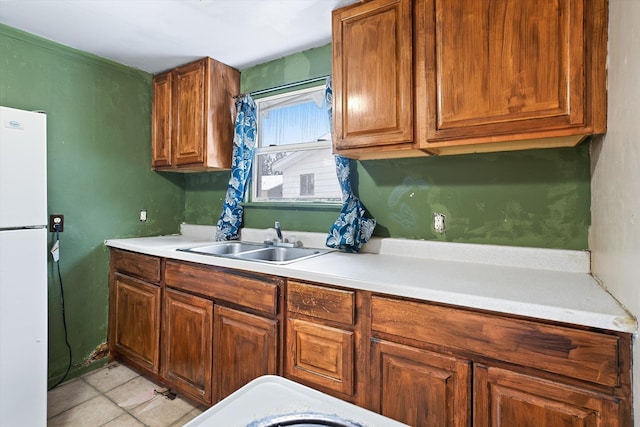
{"x":245,"y":346}
{"x":507,"y":398}
{"x":323,"y":346}
{"x":221,"y":329}
{"x":161,"y":121}
{"x":421,"y":363}
{"x":419,"y":387}
{"x":510,"y":75}
{"x":187,"y":334}
{"x":193,"y":116}
{"x":202,"y":330}
{"x":525,"y":373}
{"x":486,"y":75}
{"x":373,"y":77}
{"x":134,"y":312}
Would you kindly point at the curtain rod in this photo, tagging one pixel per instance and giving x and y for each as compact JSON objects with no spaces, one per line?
{"x":285,"y":86}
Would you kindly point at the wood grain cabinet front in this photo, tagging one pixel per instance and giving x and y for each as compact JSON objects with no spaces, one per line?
{"x":413,"y":77}
{"x":134,"y":309}
{"x":495,"y":75}
{"x":221,"y":329}
{"x":373,"y":78}
{"x":245,"y":346}
{"x":322,"y":338}
{"x":419,"y":387}
{"x":135,"y":323}
{"x":193,"y":115}
{"x":187,"y":335}
{"x":506,"y":398}
{"x":436,"y":365}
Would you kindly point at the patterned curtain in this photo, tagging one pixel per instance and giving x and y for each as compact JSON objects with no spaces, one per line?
{"x":352,"y":229}
{"x":244,"y":140}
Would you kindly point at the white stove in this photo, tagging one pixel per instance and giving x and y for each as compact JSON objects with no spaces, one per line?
{"x":271,"y":401}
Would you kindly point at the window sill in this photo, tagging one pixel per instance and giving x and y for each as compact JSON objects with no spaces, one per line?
{"x":335,"y":207}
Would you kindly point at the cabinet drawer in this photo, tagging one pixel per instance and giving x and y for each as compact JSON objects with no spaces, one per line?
{"x":321,"y":302}
{"x":143,"y":266}
{"x":580,"y":354}
{"x":253,"y":291}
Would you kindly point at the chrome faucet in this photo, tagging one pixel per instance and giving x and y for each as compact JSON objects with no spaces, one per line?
{"x":279,"y":232}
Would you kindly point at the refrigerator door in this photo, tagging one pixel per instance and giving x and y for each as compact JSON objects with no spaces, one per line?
{"x":23,"y":327}
{"x":23,"y":168}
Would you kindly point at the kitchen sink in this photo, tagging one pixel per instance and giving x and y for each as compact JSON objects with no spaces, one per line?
{"x":258,"y":252}
{"x":224,"y":248}
{"x":281,"y":254}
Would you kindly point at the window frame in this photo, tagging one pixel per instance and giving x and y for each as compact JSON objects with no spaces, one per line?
{"x":253,"y":198}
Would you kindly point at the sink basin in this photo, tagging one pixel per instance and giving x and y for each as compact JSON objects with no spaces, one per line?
{"x":224,"y":248}
{"x":257,"y":252}
{"x":281,"y":255}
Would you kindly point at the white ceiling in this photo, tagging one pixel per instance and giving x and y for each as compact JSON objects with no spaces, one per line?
{"x":155,"y":35}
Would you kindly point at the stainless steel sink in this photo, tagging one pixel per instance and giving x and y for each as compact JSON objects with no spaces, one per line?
{"x":224,"y":248}
{"x":281,"y":254}
{"x":258,"y":252}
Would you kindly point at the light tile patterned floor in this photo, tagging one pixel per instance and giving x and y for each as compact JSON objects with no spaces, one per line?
{"x":116,"y":396}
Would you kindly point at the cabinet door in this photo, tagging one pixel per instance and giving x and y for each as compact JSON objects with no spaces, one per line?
{"x":372,"y":74}
{"x":190,"y":88}
{"x":245,"y":347}
{"x":186,"y":349}
{"x":137,"y":322}
{"x":497,"y":67}
{"x":420,"y":388}
{"x":161,"y":121}
{"x":506,"y":398}
{"x":321,"y":355}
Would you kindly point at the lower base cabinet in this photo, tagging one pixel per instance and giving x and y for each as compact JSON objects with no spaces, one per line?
{"x":443,"y":366}
{"x":207,"y":331}
{"x":245,"y":346}
{"x":323,"y":347}
{"x":187,"y":344}
{"x":506,"y":398}
{"x":136,"y":334}
{"x":210,"y":351}
{"x":418,"y":387}
{"x":135,"y":299}
{"x":221,"y":329}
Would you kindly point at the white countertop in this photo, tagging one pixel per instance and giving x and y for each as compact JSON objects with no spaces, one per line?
{"x":541,"y":283}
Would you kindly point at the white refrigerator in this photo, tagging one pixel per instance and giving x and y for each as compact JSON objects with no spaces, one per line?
{"x":23,"y":268}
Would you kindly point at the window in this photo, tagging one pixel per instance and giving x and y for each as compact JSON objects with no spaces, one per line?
{"x":306,"y":184}
{"x":293,"y":160}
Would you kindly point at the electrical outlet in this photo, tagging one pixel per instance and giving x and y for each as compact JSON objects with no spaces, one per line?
{"x":56,"y":223}
{"x":143,"y":215}
{"x":439,"y":225}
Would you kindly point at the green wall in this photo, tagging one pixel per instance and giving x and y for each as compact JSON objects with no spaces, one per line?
{"x":99,"y":175}
{"x":538,"y":198}
{"x":99,"y":172}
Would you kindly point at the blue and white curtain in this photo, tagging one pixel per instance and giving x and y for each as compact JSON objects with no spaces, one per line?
{"x":352,"y":229}
{"x":244,"y":141}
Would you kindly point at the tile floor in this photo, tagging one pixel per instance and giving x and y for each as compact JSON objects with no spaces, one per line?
{"x":116,"y":396}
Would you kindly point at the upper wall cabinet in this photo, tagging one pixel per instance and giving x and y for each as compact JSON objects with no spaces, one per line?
{"x":193,"y":114}
{"x":489,"y":75}
{"x":373,"y":78}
